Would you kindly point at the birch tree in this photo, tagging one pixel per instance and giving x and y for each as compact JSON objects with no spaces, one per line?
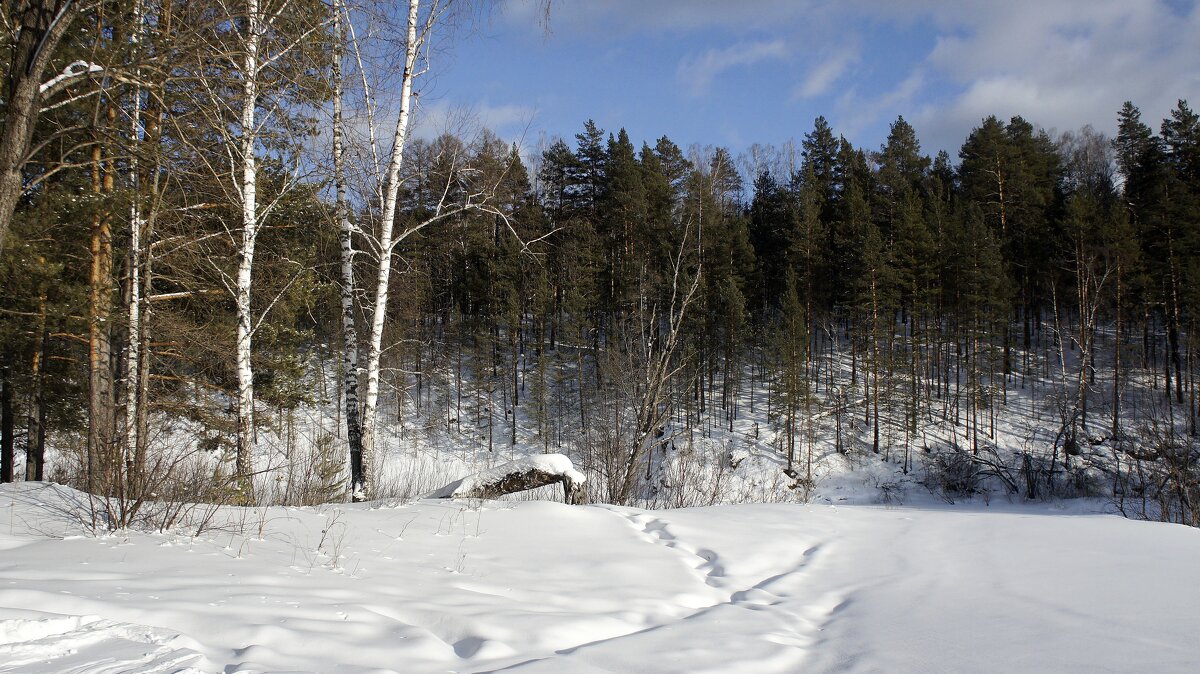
{"x":255,"y":98}
{"x":454,"y":191}
{"x":248,"y":193}
{"x":346,"y":231}
{"x":416,"y":35}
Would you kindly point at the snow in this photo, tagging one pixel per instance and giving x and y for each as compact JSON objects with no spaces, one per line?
{"x":73,"y":70}
{"x":551,"y":464}
{"x":90,"y":644}
{"x":436,"y":586}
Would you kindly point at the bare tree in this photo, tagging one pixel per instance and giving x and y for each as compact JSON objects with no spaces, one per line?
{"x":454,"y":191}
{"x":655,"y":364}
{"x":417,"y":33}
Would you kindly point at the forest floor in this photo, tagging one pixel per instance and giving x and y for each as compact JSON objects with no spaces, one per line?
{"x":440,"y":586}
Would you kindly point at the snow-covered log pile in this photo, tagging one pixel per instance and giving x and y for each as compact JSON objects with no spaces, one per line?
{"x":523,"y":474}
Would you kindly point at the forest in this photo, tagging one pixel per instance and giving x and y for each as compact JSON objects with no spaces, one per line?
{"x":230,"y":272}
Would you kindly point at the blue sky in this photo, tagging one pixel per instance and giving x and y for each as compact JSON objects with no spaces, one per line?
{"x":759,"y":71}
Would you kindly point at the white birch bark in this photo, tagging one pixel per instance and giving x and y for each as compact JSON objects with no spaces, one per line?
{"x":346,"y":229}
{"x":362,"y":490}
{"x":250,"y":226}
{"x":134,"y":328}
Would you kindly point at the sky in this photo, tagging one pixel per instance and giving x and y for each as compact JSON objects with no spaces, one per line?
{"x":735,"y":73}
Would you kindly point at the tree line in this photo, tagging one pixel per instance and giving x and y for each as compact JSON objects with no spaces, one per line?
{"x":218,"y":221}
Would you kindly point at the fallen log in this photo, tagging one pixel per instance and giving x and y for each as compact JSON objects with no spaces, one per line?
{"x":523,"y":474}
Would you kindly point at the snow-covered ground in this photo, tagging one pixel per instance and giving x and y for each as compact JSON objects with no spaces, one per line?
{"x":437,"y":586}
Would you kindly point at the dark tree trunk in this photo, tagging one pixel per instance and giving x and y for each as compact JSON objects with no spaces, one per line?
{"x":35,"y":439}
{"x":6,"y":425}
{"x":42,"y":25}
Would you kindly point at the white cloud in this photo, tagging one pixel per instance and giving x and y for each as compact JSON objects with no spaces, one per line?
{"x":822,"y":76}
{"x":857,"y":112}
{"x":656,"y":15}
{"x":506,"y":120}
{"x":1063,"y":64}
{"x":697,"y":72}
{"x":1059,"y":63}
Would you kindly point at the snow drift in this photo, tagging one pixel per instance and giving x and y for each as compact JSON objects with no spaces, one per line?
{"x":472,"y":586}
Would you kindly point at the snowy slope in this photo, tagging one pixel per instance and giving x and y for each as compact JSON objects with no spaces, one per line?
{"x":438,"y":586}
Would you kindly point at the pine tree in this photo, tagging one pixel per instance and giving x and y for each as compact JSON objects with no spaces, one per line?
{"x":1013,"y":174}
{"x":590,"y":167}
{"x":806,"y":239}
{"x":979,"y":298}
{"x":847,"y":228}
{"x":655,"y":240}
{"x":675,"y":166}
{"x":902,"y":169}
{"x":769,"y":231}
{"x":623,"y":219}
{"x":820,"y":151}
{"x":1181,"y":141}
{"x":791,"y":389}
{"x":559,"y":169}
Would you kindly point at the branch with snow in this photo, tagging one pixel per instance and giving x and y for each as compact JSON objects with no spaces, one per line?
{"x":73,"y":71}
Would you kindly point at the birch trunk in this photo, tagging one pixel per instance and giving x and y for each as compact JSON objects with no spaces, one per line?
{"x":134,"y":327}
{"x":250,"y":225}
{"x":148,"y":178}
{"x":362,"y":489}
{"x":134,"y":331}
{"x":659,"y":370}
{"x":346,"y":227}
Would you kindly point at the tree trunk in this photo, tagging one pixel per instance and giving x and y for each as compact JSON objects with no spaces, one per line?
{"x":362,"y":490}
{"x":134,"y":327}
{"x":1116,"y":395}
{"x":42,"y":25}
{"x":6,"y":424}
{"x":100,"y":462}
{"x":346,"y":229}
{"x":142,"y":418}
{"x":250,"y":226}
{"x":35,"y":439}
{"x":519,"y":475}
{"x":147,"y":176}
